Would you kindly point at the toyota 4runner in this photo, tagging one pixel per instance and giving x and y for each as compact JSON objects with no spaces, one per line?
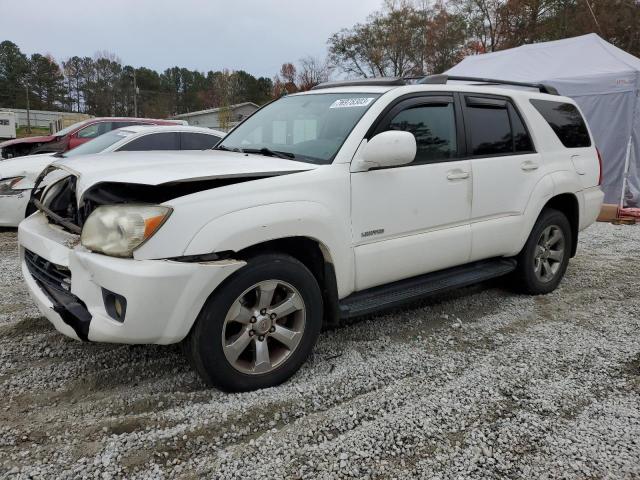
{"x":330,"y":204}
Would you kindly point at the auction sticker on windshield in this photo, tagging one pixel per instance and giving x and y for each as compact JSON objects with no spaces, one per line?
{"x":352,"y":102}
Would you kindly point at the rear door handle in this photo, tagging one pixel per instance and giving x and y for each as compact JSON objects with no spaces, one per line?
{"x":529,"y":166}
{"x":457,"y":174}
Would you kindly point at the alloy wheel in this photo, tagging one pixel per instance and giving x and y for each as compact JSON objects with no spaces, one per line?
{"x":549,"y":254}
{"x":263,"y":327}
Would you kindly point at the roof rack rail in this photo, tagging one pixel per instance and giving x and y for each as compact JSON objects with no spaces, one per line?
{"x":443,"y":79}
{"x":376,"y":81}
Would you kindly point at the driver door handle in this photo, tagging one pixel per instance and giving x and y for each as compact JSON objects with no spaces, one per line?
{"x":457,"y":174}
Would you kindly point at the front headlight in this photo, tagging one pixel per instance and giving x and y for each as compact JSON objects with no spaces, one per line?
{"x":6,"y":186}
{"x":117,"y":230}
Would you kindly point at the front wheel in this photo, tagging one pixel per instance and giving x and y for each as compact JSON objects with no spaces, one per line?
{"x":259,"y":327}
{"x":545,"y":257}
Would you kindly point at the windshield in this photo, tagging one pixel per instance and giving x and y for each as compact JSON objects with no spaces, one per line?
{"x":70,"y":128}
{"x":310,"y":128}
{"x":98,"y":144}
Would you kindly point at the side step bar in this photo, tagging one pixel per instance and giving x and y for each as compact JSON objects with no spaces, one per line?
{"x":417,"y":288}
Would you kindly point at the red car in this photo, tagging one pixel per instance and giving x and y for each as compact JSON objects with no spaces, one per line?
{"x":72,"y":136}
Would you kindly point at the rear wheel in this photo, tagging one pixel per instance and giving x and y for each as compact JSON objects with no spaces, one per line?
{"x":259,"y":327}
{"x":545,"y":257}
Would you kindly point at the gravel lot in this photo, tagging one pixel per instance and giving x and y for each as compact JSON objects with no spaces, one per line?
{"x":476,"y":384}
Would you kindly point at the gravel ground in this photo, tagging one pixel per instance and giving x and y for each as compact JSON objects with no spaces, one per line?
{"x":480,"y":383}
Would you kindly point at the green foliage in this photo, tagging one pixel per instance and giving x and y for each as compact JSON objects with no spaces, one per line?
{"x":102,"y":86}
{"x":14,"y":67}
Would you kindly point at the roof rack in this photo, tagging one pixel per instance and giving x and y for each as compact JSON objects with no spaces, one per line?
{"x":443,"y":79}
{"x":432,"y":80}
{"x":376,"y":81}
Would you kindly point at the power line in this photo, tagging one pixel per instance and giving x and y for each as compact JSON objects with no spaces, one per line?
{"x":595,"y":19}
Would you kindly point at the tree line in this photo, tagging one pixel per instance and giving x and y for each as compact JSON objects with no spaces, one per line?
{"x":404,"y":38}
{"x":418,"y":37}
{"x":102,"y":86}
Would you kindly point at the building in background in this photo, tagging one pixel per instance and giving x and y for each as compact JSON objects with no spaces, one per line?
{"x":54,"y":121}
{"x":222,"y":118}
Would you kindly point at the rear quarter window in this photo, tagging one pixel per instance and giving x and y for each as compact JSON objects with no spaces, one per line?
{"x":197,"y":141}
{"x":566,"y":121}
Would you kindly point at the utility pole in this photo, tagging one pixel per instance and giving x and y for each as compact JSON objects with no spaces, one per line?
{"x":26,"y":89}
{"x":135,"y":95}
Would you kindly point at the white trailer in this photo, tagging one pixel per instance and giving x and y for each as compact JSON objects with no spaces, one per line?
{"x":7,"y":125}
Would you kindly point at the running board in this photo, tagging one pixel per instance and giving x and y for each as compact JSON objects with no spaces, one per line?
{"x":417,"y":288}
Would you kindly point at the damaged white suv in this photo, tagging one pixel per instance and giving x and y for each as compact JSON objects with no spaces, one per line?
{"x":330,"y":204}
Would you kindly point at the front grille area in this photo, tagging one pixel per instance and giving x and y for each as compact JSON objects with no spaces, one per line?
{"x":55,"y":282}
{"x":51,"y":275}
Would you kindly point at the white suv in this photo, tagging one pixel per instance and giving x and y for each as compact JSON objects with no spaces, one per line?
{"x":330,"y":204}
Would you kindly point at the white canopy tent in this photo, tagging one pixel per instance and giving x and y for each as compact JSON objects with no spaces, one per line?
{"x":601,"y":78}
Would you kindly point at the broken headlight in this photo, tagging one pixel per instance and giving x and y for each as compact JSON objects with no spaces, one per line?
{"x":7,"y":184}
{"x":117,"y":230}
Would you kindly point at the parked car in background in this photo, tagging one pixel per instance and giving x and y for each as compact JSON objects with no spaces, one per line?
{"x":329,"y":204}
{"x":18,"y":175}
{"x":74,"y":135}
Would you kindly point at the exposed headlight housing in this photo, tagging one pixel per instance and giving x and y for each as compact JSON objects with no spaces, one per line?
{"x":7,"y":184}
{"x":117,"y":230}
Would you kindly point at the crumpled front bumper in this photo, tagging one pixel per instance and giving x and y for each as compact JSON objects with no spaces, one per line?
{"x":163,"y":297}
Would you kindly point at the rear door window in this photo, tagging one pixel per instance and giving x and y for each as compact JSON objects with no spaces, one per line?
{"x":566,"y":121}
{"x":94,"y":130}
{"x":494,"y":127}
{"x":153,"y":141}
{"x":197,"y":141}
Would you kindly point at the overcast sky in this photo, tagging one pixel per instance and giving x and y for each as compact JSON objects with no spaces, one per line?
{"x":252,"y":35}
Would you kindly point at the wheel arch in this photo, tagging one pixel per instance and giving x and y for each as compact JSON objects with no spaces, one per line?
{"x":568,"y":204}
{"x":314,"y":255}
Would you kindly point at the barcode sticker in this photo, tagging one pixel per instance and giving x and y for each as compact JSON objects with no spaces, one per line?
{"x":352,"y":102}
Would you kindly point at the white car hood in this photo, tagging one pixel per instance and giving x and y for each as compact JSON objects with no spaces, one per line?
{"x":155,"y":168}
{"x":29,"y":167}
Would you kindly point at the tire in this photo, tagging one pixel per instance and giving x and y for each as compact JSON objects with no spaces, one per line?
{"x":540,"y":267}
{"x":228,"y":341}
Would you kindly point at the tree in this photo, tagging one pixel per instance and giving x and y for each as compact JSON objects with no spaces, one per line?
{"x":46,"y":83}
{"x":445,"y":40}
{"x":405,"y":39}
{"x":285,"y":81}
{"x":487,"y":22}
{"x":14,"y":67}
{"x":73,"y":73}
{"x":312,"y":72}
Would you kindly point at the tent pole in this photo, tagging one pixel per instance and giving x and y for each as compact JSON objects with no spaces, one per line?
{"x":626,"y":171}
{"x":633,"y":124}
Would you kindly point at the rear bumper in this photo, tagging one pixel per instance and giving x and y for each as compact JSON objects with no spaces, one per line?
{"x":590,"y":205}
{"x":163,"y":298}
{"x":13,"y":207}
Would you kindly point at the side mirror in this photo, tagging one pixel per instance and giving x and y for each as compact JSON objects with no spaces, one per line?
{"x":387,"y":149}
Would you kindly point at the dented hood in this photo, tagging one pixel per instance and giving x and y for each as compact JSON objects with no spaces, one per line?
{"x":15,"y":141}
{"x":157,"y":168}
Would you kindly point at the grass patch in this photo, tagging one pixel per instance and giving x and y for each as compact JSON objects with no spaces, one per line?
{"x":21,"y":132}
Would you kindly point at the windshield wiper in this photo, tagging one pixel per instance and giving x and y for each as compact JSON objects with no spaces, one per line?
{"x":227,"y":149}
{"x":271,"y":153}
